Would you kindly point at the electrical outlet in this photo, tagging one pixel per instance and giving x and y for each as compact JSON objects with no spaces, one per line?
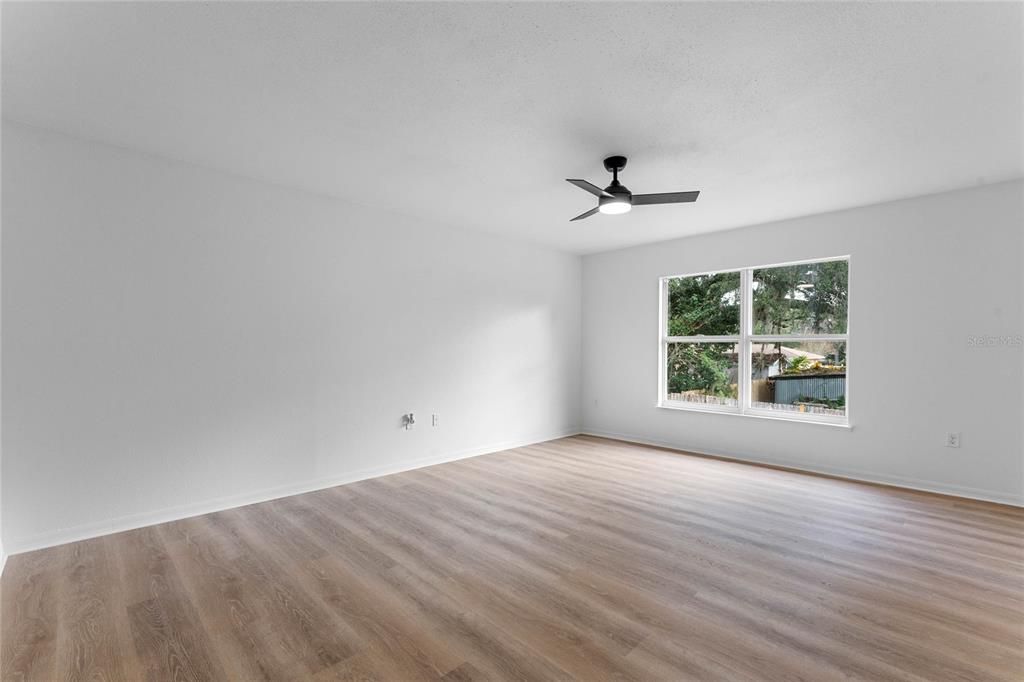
{"x":952,"y":440}
{"x":435,"y":420}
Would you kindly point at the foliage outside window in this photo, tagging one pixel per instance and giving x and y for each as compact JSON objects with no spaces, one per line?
{"x":767,"y":341}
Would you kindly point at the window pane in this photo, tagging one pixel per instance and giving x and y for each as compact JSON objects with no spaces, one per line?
{"x":704,"y":373}
{"x":806,"y":377}
{"x":707,"y":305}
{"x":801,"y":299}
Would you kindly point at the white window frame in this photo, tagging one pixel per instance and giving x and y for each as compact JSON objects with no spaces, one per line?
{"x":744,"y":341}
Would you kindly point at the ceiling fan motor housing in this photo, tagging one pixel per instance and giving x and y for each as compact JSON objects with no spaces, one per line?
{"x":619,"y":194}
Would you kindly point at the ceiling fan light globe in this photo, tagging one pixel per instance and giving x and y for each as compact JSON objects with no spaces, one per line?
{"x":614,"y":205}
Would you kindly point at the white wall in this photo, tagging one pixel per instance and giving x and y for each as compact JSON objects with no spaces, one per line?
{"x":925,"y":275}
{"x":3,"y":551}
{"x":178,"y":340}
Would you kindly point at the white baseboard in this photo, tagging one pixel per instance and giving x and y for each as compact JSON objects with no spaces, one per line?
{"x":838,"y":472}
{"x":133,"y":521}
{"x":176,"y":513}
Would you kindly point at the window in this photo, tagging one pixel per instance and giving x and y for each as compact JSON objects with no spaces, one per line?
{"x":766,"y":341}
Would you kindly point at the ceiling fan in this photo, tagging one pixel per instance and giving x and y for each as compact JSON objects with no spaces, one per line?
{"x":616,"y":198}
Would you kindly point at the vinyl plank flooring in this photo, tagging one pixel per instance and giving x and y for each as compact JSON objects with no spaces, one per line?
{"x":250,"y":650}
{"x":87,"y":632}
{"x":581,"y":558}
{"x":29,"y":607}
{"x":169,"y":640}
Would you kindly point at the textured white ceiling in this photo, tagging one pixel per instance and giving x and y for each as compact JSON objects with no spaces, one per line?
{"x":473,"y":114}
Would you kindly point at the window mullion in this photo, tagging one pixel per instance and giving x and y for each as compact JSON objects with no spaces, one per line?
{"x":782,"y":338}
{"x":731,"y":338}
{"x":746,"y":327}
{"x":663,"y":346}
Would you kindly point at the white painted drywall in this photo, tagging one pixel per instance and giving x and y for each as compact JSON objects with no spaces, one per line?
{"x":926,"y":274}
{"x":3,"y":551}
{"x":178,"y":340}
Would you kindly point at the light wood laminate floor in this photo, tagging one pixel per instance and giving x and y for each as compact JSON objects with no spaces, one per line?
{"x":581,"y":558}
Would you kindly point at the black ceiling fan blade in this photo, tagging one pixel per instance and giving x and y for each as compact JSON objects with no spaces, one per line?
{"x":664,"y":198}
{"x":589,"y":187}
{"x":589,"y":213}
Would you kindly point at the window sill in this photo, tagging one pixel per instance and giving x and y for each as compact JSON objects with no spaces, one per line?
{"x":753,"y":415}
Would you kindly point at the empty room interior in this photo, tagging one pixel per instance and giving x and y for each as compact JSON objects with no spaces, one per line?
{"x":512,"y":341}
